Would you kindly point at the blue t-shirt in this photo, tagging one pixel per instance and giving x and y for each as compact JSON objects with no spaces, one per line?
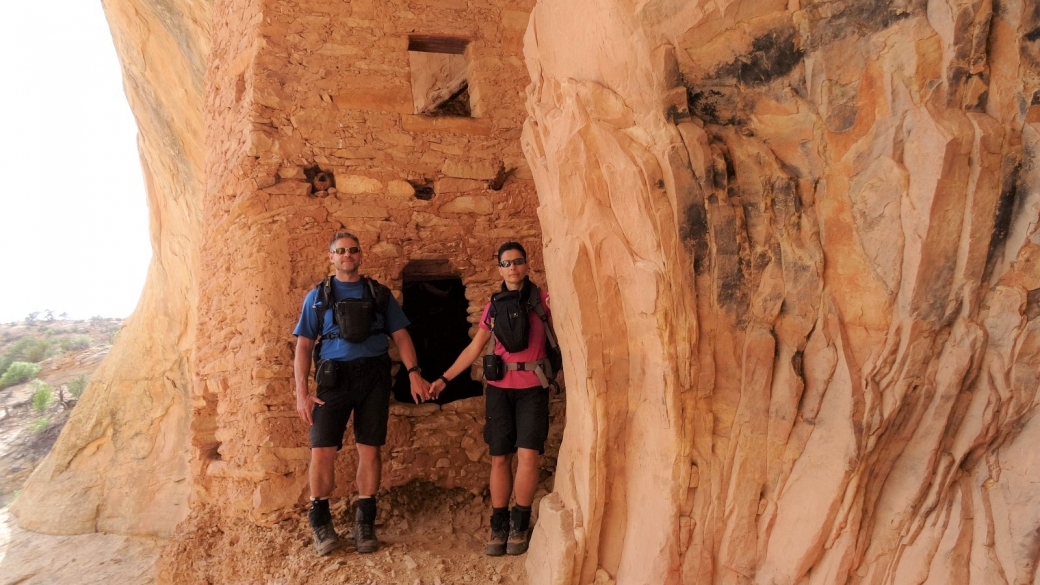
{"x":341,"y":349}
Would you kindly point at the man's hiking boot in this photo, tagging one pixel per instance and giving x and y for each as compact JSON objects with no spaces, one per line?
{"x":365,"y":528}
{"x":496,"y":545}
{"x":325,"y":538}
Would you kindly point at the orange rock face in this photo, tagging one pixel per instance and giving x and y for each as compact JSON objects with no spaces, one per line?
{"x":792,"y":248}
{"x":794,"y":257}
{"x":121,"y":463}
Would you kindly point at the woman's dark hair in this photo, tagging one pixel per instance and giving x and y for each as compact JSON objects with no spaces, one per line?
{"x":511,"y":246}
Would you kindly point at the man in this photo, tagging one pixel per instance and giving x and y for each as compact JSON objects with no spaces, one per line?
{"x":516,"y":403}
{"x":353,"y":375}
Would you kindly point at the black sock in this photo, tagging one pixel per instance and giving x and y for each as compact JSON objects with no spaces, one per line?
{"x":367,"y":509}
{"x":319,"y":514}
{"x":521,"y":517}
{"x":500,"y":518}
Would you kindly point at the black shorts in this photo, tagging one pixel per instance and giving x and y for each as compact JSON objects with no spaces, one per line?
{"x":516,"y":419}
{"x":361,"y":386}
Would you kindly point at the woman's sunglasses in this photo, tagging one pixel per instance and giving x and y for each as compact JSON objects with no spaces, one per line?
{"x":508,"y":263}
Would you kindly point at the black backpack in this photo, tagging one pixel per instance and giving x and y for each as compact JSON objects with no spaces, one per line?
{"x":375,"y":298}
{"x":511,"y":327}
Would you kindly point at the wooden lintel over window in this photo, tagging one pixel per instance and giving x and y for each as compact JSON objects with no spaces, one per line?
{"x":437,"y":44}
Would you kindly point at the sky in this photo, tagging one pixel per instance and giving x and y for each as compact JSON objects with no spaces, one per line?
{"x":73,"y":211}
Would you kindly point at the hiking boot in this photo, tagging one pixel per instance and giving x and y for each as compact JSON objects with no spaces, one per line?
{"x":365,"y":532}
{"x":520,"y":530}
{"x":519,"y":540}
{"x":496,"y":545}
{"x":325,"y":539}
{"x":320,"y":519}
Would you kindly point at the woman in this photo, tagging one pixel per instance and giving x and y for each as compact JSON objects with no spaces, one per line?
{"x":517,"y":403}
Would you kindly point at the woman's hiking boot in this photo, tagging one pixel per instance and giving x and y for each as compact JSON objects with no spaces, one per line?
{"x":519,"y":531}
{"x":496,"y":545}
{"x":365,"y":526}
{"x":325,"y":538}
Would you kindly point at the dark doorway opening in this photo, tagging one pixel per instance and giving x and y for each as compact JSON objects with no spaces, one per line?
{"x":437,"y":307}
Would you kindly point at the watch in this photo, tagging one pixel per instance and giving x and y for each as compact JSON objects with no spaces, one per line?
{"x":415,"y":369}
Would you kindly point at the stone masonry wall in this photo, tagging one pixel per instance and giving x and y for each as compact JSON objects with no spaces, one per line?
{"x":294,"y":85}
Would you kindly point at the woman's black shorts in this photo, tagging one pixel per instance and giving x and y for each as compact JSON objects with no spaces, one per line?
{"x":361,"y":386}
{"x":516,"y":419}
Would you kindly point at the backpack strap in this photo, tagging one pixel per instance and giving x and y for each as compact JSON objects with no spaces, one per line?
{"x":326,"y":296}
{"x":381,"y":296}
{"x":535,"y":302}
{"x":539,"y":367}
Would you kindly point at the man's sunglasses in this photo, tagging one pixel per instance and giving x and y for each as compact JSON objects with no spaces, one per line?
{"x":508,"y":263}
{"x":342,"y":251}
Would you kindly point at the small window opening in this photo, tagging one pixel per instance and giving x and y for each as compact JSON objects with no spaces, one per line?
{"x":435,"y":302}
{"x":440,"y":76}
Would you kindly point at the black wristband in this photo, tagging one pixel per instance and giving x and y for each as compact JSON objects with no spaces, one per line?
{"x":414,"y":369}
{"x":441,"y":377}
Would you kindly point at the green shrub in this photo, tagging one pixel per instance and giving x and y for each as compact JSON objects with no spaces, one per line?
{"x":77,"y":385}
{"x":75,"y":343}
{"x":39,"y":424}
{"x":19,"y":372}
{"x":43,"y":396}
{"x":29,"y":349}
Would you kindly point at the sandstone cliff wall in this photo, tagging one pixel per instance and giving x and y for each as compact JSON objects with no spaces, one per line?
{"x":121,"y":463}
{"x":794,"y":259}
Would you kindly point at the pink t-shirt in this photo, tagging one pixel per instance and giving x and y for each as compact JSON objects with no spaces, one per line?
{"x":535,"y":351}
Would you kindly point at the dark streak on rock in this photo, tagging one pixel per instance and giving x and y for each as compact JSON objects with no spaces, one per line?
{"x":797,"y":364}
{"x":773,"y":55}
{"x":856,"y":19}
{"x":695,"y":232}
{"x":716,"y":106}
{"x":1002,"y":218}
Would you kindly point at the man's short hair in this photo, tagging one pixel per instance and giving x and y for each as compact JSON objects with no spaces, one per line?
{"x":339,"y":236}
{"x":511,"y":246}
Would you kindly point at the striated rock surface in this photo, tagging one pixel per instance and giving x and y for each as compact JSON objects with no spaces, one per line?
{"x":793,"y":250}
{"x":121,"y":462}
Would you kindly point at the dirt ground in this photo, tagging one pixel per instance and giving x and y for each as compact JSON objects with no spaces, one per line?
{"x":428,"y":535}
{"x":28,"y":558}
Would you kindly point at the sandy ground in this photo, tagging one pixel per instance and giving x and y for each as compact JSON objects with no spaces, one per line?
{"x":428,"y":536}
{"x":28,"y":558}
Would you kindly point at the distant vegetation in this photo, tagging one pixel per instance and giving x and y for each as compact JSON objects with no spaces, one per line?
{"x":18,"y":372}
{"x":37,"y":339}
{"x":77,"y":385}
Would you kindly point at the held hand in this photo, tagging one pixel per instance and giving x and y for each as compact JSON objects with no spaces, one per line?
{"x":305,"y":406}
{"x":436,"y":388}
{"x":420,"y":388}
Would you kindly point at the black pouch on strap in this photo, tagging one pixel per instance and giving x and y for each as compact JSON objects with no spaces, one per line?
{"x":354,"y":318}
{"x":326,"y":373}
{"x":494,"y":369}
